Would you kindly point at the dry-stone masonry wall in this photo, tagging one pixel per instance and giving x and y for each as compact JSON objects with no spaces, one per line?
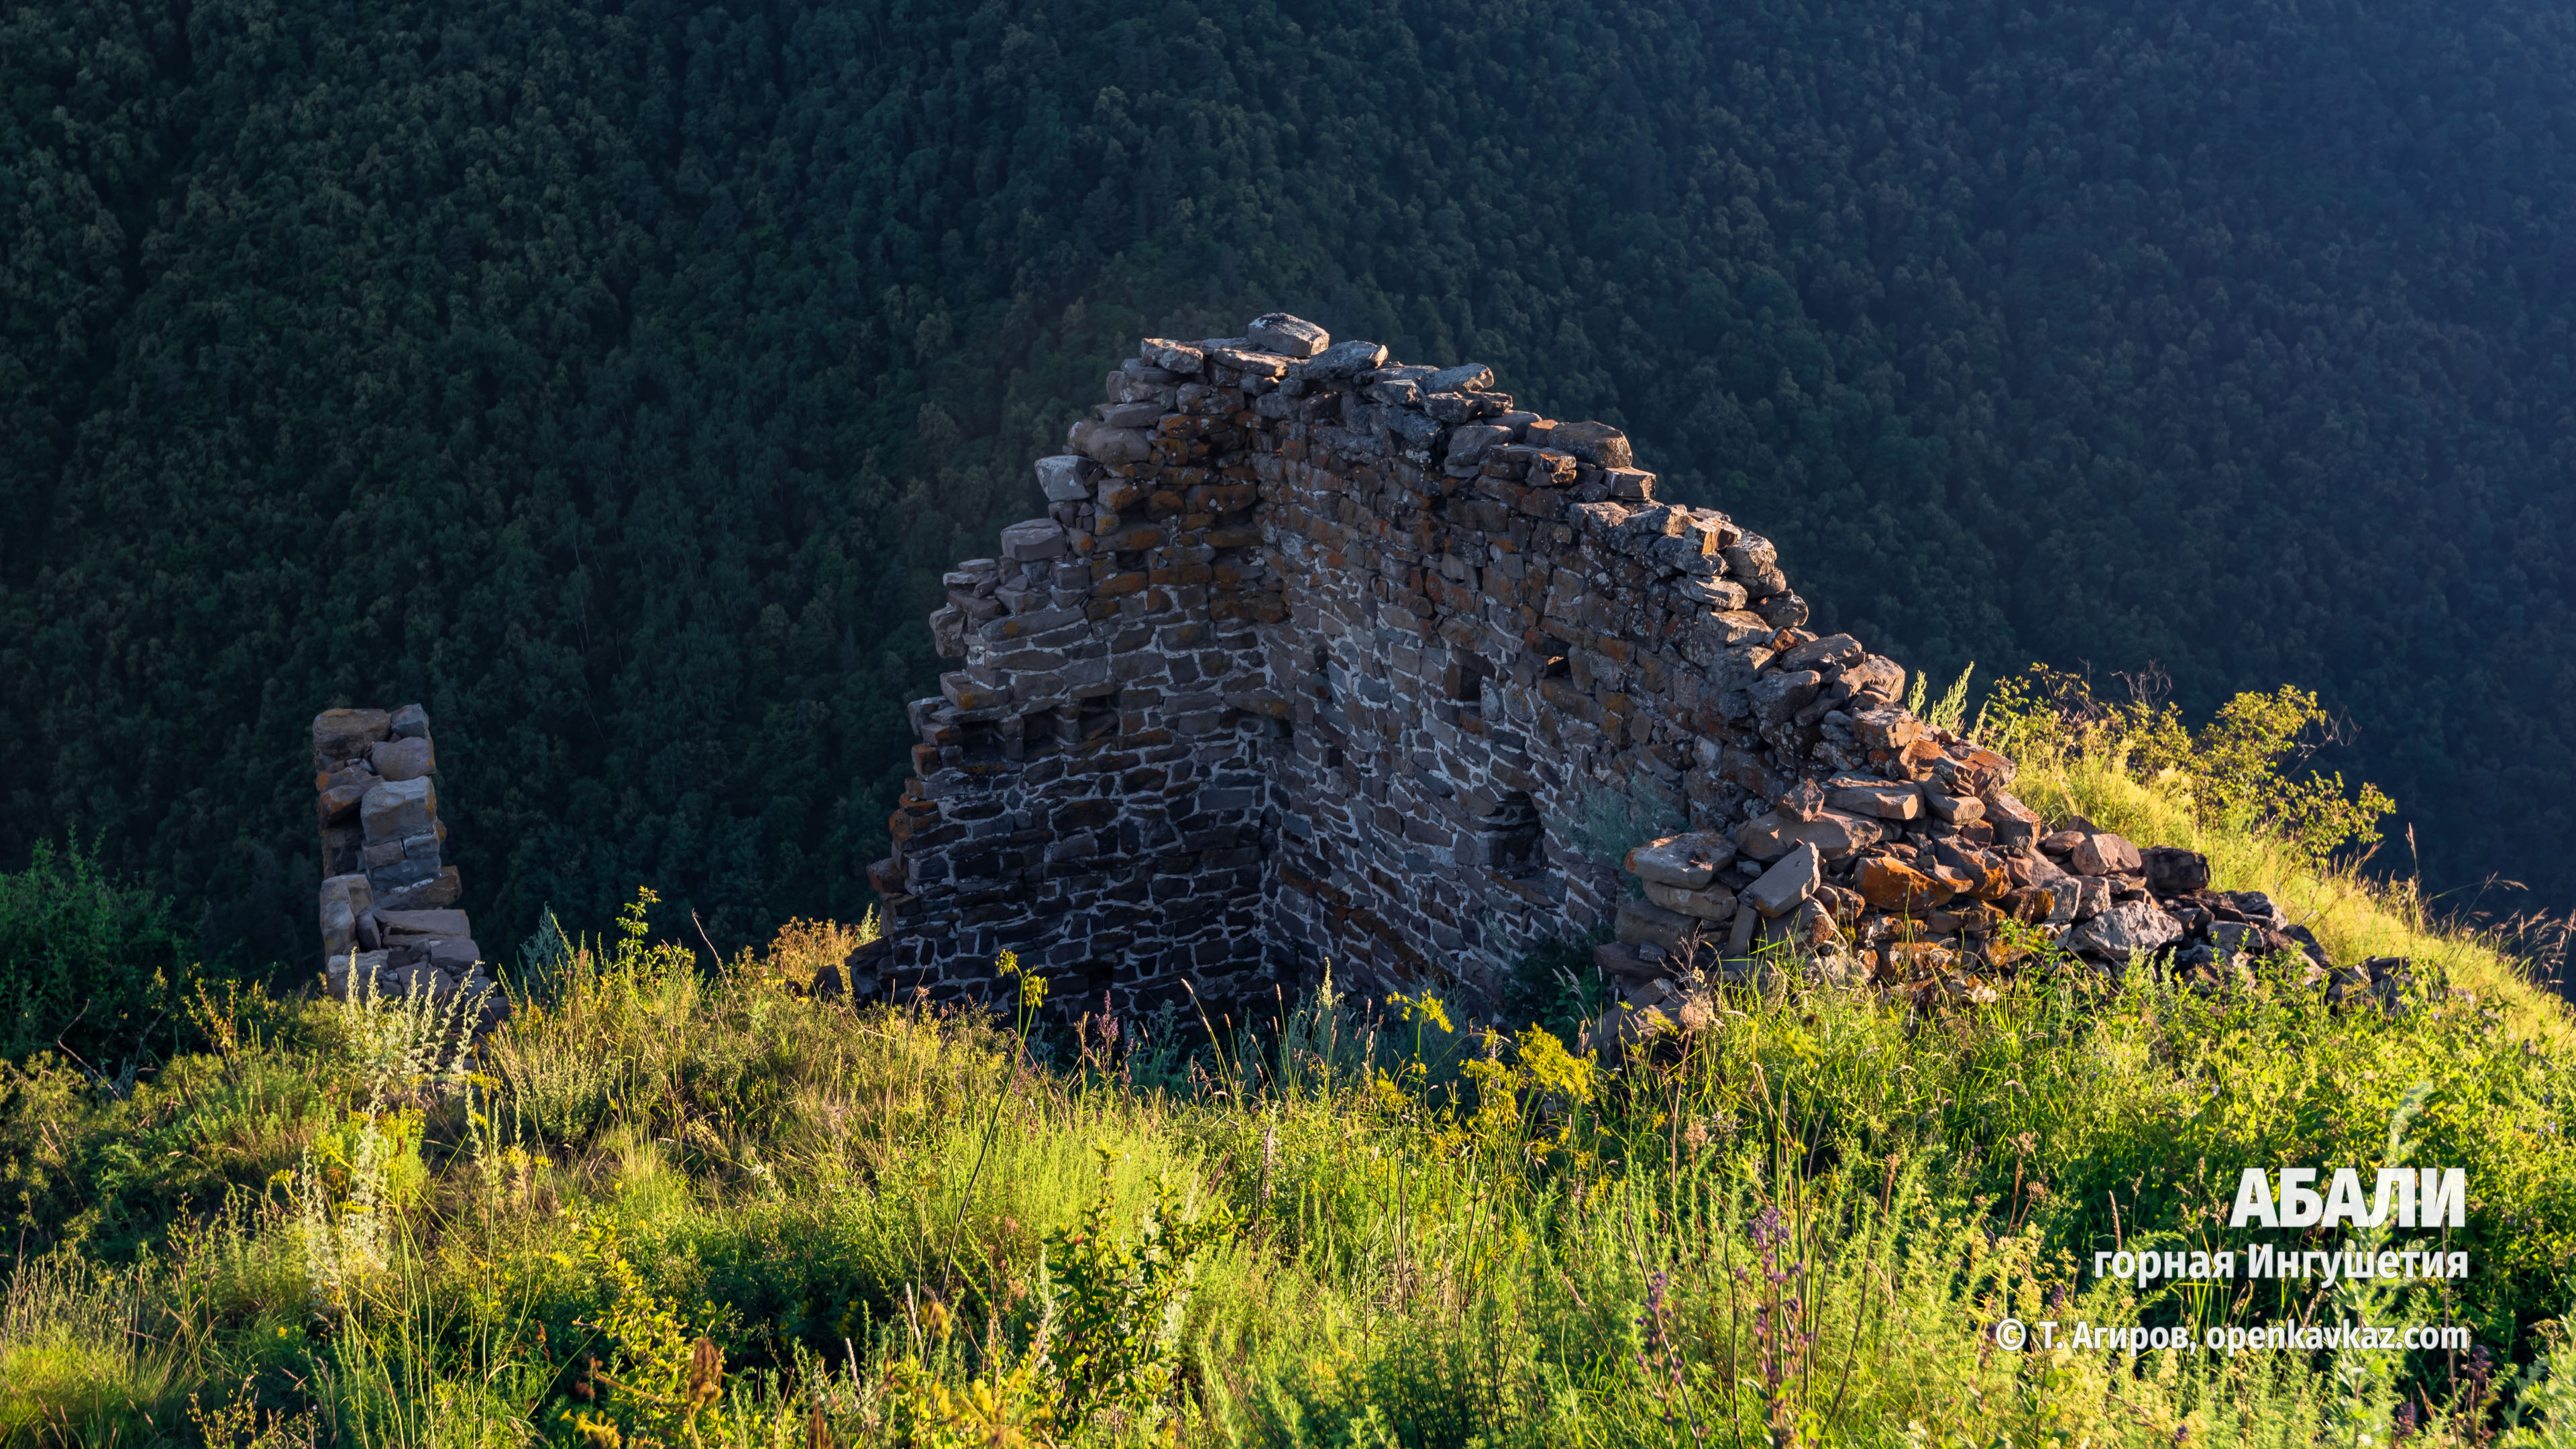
{"x":389,"y":913}
{"x":1317,"y":658}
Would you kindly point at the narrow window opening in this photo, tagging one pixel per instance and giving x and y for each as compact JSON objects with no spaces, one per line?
{"x":1510,"y":839}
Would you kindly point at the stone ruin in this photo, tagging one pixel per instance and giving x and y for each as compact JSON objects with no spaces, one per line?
{"x":389,"y":916}
{"x":1319,"y":659}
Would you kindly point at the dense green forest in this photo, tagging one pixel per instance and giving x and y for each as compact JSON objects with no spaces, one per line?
{"x":616,"y":379}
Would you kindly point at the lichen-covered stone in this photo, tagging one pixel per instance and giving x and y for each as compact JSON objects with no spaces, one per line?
{"x":396,"y":809}
{"x":403,"y":759}
{"x":1343,"y":360}
{"x":2102,"y":853}
{"x":1287,"y":335}
{"x":1788,"y":883}
{"x":1599,"y":444}
{"x":1179,"y":359}
{"x":1066,"y":478}
{"x":1689,"y":861}
{"x":1467,"y":377}
{"x":2125,"y":929}
{"x":343,"y":734}
{"x":1709,"y":904}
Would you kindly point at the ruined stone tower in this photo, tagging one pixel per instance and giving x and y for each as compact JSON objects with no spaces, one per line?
{"x":1316,"y":657}
{"x":389,"y":917}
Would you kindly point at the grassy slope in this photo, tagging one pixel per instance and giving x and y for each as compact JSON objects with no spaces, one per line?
{"x":1429,"y":1238}
{"x":2354,"y":915}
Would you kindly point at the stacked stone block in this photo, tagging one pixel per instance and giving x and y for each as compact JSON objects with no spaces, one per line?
{"x":1317,"y":658}
{"x":388,"y":907}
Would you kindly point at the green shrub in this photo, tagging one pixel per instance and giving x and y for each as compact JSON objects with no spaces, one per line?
{"x":88,"y":967}
{"x":2242,"y":772}
{"x":1555,"y":985}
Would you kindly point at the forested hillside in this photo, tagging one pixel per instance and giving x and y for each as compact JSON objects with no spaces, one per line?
{"x":629,"y":373}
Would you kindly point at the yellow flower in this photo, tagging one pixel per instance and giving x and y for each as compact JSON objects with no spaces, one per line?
{"x":1425,"y":1007}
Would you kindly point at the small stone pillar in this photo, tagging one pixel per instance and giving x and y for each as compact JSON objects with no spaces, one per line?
{"x":388,"y":903}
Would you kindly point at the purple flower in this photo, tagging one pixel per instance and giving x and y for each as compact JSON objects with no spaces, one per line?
{"x":1651,"y":1322}
{"x":1769,"y":1229}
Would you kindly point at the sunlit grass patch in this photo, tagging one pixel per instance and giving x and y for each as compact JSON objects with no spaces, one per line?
{"x":672,"y":1203}
{"x":75,"y":1363}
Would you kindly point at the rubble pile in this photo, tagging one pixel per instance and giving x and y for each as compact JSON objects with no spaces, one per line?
{"x":1316,"y":657}
{"x":388,"y":908}
{"x":1929,"y":879}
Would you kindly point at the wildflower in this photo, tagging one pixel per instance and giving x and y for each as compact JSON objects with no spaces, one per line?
{"x":1769,"y":1230}
{"x":1424,"y":1008}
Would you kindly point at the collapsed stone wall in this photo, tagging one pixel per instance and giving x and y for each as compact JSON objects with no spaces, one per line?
{"x":1319,"y":658}
{"x":388,"y":902}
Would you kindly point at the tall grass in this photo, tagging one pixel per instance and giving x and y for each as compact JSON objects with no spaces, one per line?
{"x":676,"y":1203}
{"x":1800,"y":1225}
{"x":75,"y":1362}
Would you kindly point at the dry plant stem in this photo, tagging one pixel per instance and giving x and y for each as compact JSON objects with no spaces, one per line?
{"x":992,"y":1127}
